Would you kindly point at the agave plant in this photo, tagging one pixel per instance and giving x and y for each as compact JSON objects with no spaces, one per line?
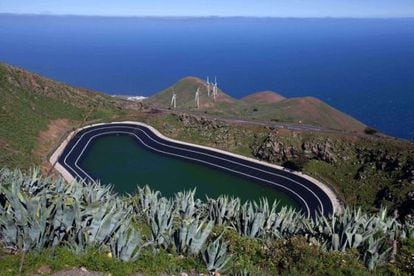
{"x":354,"y":229}
{"x":186,"y":206}
{"x":126,"y":244}
{"x":24,"y":224}
{"x":249,"y":222}
{"x":243,"y":272}
{"x":67,"y":219}
{"x":223,"y":210}
{"x":215,"y":256}
{"x":349,"y":230}
{"x":269,"y":211}
{"x":94,"y":193}
{"x":36,"y":213}
{"x":147,"y":200}
{"x":77,"y":241}
{"x":408,"y":229}
{"x":191,"y":236}
{"x":162,"y":219}
{"x":23,"y":219}
{"x":375,"y":252}
{"x":288,"y":222}
{"x":104,"y":221}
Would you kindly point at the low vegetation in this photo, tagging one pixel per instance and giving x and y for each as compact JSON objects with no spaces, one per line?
{"x":47,"y":222}
{"x":29,"y":102}
{"x":365,"y":171}
{"x":44,"y":217}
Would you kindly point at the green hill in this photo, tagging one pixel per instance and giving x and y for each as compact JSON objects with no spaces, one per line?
{"x":266,"y":106}
{"x":29,"y":102}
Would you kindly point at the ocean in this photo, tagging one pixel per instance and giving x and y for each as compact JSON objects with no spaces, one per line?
{"x":364,"y":67}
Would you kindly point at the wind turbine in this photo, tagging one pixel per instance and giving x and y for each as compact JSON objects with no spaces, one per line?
{"x":173,"y":99}
{"x":197,"y":97}
{"x":215,"y":88}
{"x":208,"y":86}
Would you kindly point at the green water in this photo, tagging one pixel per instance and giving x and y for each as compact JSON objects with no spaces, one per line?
{"x":120,"y":161}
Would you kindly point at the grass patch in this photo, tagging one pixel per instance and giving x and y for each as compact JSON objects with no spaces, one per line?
{"x":28,"y":103}
{"x":62,"y":258}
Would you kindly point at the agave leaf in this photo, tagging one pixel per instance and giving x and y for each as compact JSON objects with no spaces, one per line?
{"x":215,"y":256}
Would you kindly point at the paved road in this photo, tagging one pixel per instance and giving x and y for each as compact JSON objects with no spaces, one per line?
{"x":290,"y":126}
{"x":310,"y":198}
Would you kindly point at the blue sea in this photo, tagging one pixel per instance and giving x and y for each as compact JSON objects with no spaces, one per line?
{"x":364,"y":67}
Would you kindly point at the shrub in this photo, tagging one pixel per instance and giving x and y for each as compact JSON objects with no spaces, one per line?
{"x":405,"y":258}
{"x":370,"y":131}
{"x":295,"y":165}
{"x":299,"y":257}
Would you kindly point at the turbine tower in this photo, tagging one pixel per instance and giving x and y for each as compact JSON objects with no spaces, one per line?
{"x":215,"y":88}
{"x":197,"y":97}
{"x":208,"y":86}
{"x":173,"y":103}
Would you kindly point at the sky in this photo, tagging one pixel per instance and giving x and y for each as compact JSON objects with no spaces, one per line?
{"x":259,"y":8}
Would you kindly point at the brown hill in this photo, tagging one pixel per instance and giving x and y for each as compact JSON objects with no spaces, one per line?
{"x":263,"y":98}
{"x":265,"y":106}
{"x":185,"y":90}
{"x":308,"y":110}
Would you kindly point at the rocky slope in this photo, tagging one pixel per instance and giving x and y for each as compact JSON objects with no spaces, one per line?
{"x":366,"y":171}
{"x":275,"y":151}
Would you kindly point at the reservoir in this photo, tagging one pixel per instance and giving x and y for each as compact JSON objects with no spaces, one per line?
{"x":119,"y":159}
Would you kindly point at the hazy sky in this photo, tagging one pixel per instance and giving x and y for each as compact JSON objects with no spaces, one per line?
{"x":276,"y":8}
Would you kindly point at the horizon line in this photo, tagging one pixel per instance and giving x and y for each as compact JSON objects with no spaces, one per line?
{"x":206,"y":16}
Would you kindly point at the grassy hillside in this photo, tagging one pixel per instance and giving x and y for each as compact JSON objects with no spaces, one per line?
{"x":366,"y":171}
{"x":306,"y":110}
{"x":28,"y":103}
{"x":266,"y":106}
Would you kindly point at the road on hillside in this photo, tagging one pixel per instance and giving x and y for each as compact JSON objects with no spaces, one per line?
{"x":289,"y":126}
